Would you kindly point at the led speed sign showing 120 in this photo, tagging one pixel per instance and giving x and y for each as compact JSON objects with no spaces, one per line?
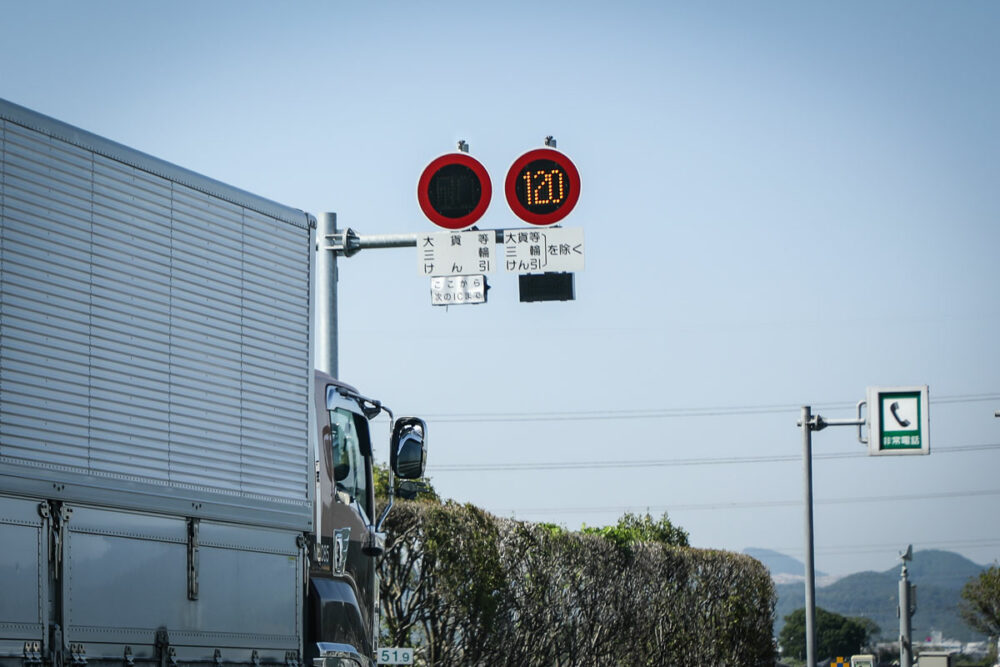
{"x":542,"y":186}
{"x":454,"y":191}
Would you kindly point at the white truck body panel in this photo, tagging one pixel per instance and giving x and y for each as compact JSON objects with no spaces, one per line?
{"x":154,"y":330}
{"x":156,"y":414}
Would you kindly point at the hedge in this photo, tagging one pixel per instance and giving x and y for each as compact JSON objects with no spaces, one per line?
{"x":467,"y":588}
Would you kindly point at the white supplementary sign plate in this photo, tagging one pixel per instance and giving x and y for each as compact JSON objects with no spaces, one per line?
{"x":548,"y":250}
{"x":456,"y":290}
{"x":456,"y":253}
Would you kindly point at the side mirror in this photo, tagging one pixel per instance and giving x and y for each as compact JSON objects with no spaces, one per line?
{"x":408,"y":452}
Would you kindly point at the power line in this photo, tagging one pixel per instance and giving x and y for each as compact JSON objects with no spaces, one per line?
{"x":753,"y":504}
{"x":893,"y":547}
{"x":670,"y":413}
{"x":594,"y":415}
{"x":923,"y":544}
{"x":669,"y":463}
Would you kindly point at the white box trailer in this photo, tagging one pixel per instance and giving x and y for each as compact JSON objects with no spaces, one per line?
{"x":155,"y":408}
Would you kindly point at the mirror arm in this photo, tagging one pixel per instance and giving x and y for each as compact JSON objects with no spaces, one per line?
{"x":371,"y":408}
{"x":392,"y":478}
{"x":385,"y":510}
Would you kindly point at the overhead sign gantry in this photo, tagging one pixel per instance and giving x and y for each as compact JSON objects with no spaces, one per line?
{"x":542,"y":187}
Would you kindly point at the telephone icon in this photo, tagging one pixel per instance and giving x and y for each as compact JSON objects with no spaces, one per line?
{"x":894,"y":409}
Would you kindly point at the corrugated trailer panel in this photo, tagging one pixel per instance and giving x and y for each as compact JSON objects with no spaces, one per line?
{"x":270,"y":297}
{"x":154,"y":326}
{"x":130,"y":311}
{"x":45,"y":300}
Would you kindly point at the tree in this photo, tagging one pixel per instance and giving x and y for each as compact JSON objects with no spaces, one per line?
{"x":421,"y":488}
{"x":632,"y":529}
{"x":872,"y":630}
{"x":836,"y":635}
{"x":980,"y":606}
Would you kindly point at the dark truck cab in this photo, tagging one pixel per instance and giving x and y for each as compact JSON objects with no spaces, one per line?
{"x":343,"y":617}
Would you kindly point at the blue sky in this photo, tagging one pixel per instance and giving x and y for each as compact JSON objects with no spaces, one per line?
{"x":784,"y":203}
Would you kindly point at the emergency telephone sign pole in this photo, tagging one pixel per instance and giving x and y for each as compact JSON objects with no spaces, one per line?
{"x":809,"y":423}
{"x":898,"y":423}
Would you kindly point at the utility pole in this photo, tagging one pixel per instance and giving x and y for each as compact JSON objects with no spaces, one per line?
{"x":809,"y":423}
{"x":326,"y":296}
{"x":330,"y":244}
{"x":808,"y":426}
{"x":906,"y":608}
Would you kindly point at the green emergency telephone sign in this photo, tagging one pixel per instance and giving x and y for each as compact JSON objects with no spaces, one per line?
{"x":898,"y":421}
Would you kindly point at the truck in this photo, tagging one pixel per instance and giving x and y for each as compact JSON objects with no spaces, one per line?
{"x":178,"y":484}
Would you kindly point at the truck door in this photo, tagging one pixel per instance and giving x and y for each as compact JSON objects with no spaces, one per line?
{"x":342,"y":588}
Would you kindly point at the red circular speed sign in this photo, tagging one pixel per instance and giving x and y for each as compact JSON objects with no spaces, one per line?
{"x":454,"y":191}
{"x":542,"y":186}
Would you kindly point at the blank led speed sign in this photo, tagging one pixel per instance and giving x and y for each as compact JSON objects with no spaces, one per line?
{"x":454,"y":191}
{"x":542,"y":186}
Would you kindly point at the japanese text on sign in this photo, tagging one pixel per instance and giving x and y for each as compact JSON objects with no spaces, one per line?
{"x":456,"y":253}
{"x":456,"y":290}
{"x":556,"y":249}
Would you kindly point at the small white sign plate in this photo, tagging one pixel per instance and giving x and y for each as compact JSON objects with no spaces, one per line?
{"x":551,"y":249}
{"x":395,"y":656}
{"x":456,"y":253}
{"x":457,"y":290}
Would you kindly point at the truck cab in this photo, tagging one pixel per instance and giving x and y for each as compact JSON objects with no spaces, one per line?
{"x":342,"y":616}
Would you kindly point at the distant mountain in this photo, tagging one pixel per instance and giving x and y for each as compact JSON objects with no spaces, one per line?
{"x":778,"y":563}
{"x":943,"y":569}
{"x":938,"y":575}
